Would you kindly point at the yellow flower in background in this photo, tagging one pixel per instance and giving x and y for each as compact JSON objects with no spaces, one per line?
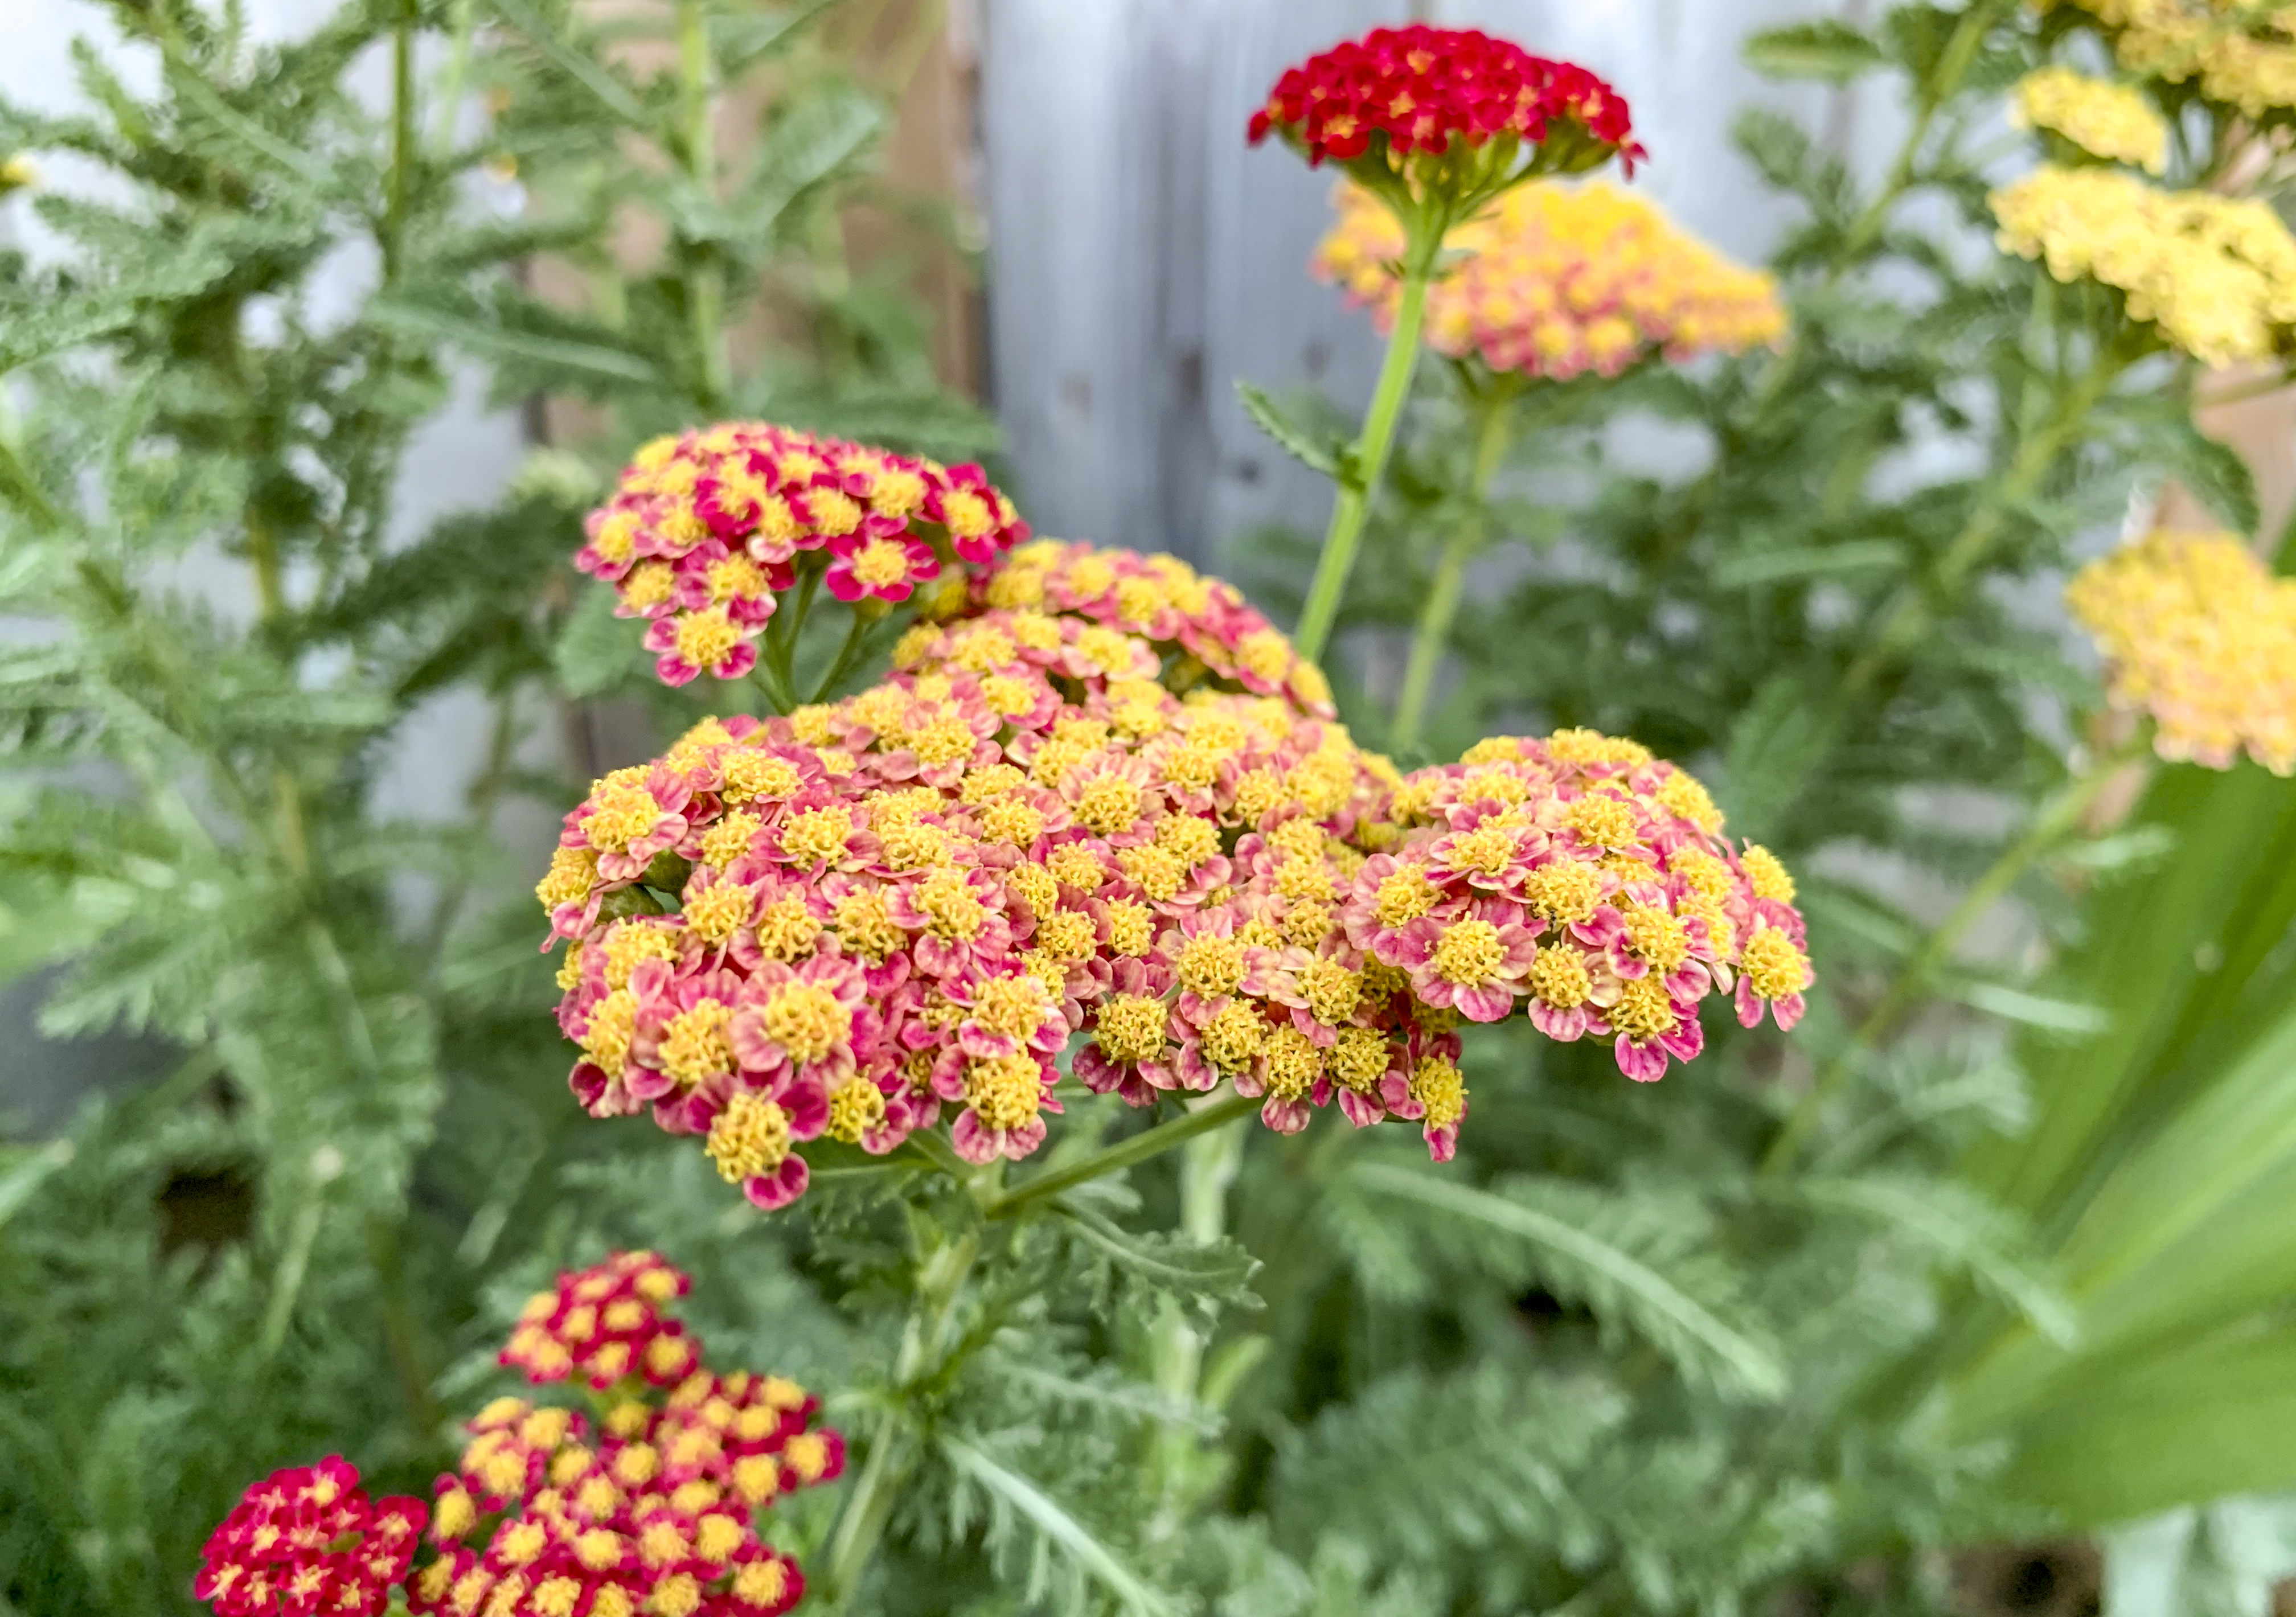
{"x":2196,"y":631}
{"x":2103,"y":120}
{"x":2217,"y":275}
{"x":2238,"y":51}
{"x":17,"y":173}
{"x":1554,"y":281}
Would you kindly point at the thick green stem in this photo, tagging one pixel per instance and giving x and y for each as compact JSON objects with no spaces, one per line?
{"x":2056,"y":821}
{"x":1359,"y":485}
{"x":1208,"y":1168}
{"x":1433,"y":634}
{"x":1126,"y":1153}
{"x":861,"y":1524}
{"x":705,"y":277}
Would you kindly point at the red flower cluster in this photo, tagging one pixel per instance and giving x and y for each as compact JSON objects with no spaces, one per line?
{"x":307,"y":1542}
{"x":706,"y":529}
{"x":1420,"y":89}
{"x":653,"y":1511}
{"x":605,"y":1324}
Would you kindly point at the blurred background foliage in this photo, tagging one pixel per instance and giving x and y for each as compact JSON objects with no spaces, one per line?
{"x":1989,"y":1251}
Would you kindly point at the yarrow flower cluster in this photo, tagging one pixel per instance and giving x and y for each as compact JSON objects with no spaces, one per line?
{"x":707,"y":530}
{"x":605,"y":1324}
{"x":1103,"y":797}
{"x":307,"y":1542}
{"x":1444,"y":109}
{"x":2239,"y":52}
{"x":2216,"y":274}
{"x":651,"y":1511}
{"x":1554,"y":281}
{"x":2197,"y":633}
{"x":1588,"y":881}
{"x":2104,"y":120}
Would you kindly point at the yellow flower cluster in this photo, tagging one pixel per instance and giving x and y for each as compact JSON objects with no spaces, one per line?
{"x":1555,"y":281}
{"x":2103,"y":120}
{"x":2216,"y":274}
{"x":2238,"y":52}
{"x":2200,"y":634}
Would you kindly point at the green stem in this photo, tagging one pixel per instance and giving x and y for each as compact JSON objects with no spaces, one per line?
{"x":2057,"y":820}
{"x":1433,"y":634}
{"x":458,"y":70}
{"x":1125,"y":1154}
{"x":1908,"y":612}
{"x":861,"y":1523}
{"x":1208,"y":1168}
{"x":705,"y":279}
{"x":403,"y":150}
{"x":848,"y":654}
{"x":1359,"y":484}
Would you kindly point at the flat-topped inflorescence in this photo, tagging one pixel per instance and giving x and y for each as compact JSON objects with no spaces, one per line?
{"x":2215,"y":276}
{"x":1554,"y":281}
{"x":2199,"y":635}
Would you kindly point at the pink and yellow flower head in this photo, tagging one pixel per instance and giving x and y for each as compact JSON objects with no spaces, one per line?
{"x":1101,"y":796}
{"x":1589,"y":882}
{"x":1554,"y":281}
{"x":2197,"y":633}
{"x":706,"y":529}
{"x":604,"y":1326}
{"x":307,"y":1542}
{"x":1444,"y":109}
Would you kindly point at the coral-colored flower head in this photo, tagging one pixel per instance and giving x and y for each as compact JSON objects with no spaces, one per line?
{"x":307,"y":1542}
{"x":1554,"y":281}
{"x":603,"y":1325}
{"x":2197,"y":633}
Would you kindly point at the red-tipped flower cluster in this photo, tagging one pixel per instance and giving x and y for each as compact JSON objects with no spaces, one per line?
{"x":653,"y":1510}
{"x":307,"y":1542}
{"x":707,"y":530}
{"x":1423,"y":89}
{"x":605,"y":1324}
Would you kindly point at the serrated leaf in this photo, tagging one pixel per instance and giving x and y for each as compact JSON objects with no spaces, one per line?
{"x":2037,"y":1011}
{"x":1589,"y":1247}
{"x":1294,"y":441}
{"x":1964,"y":1229}
{"x":2214,"y":474}
{"x":1776,"y":744}
{"x":595,"y":650}
{"x":489,"y":340}
{"x":1205,"y":1277}
{"x":1827,"y":49}
{"x":1048,"y":1517}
